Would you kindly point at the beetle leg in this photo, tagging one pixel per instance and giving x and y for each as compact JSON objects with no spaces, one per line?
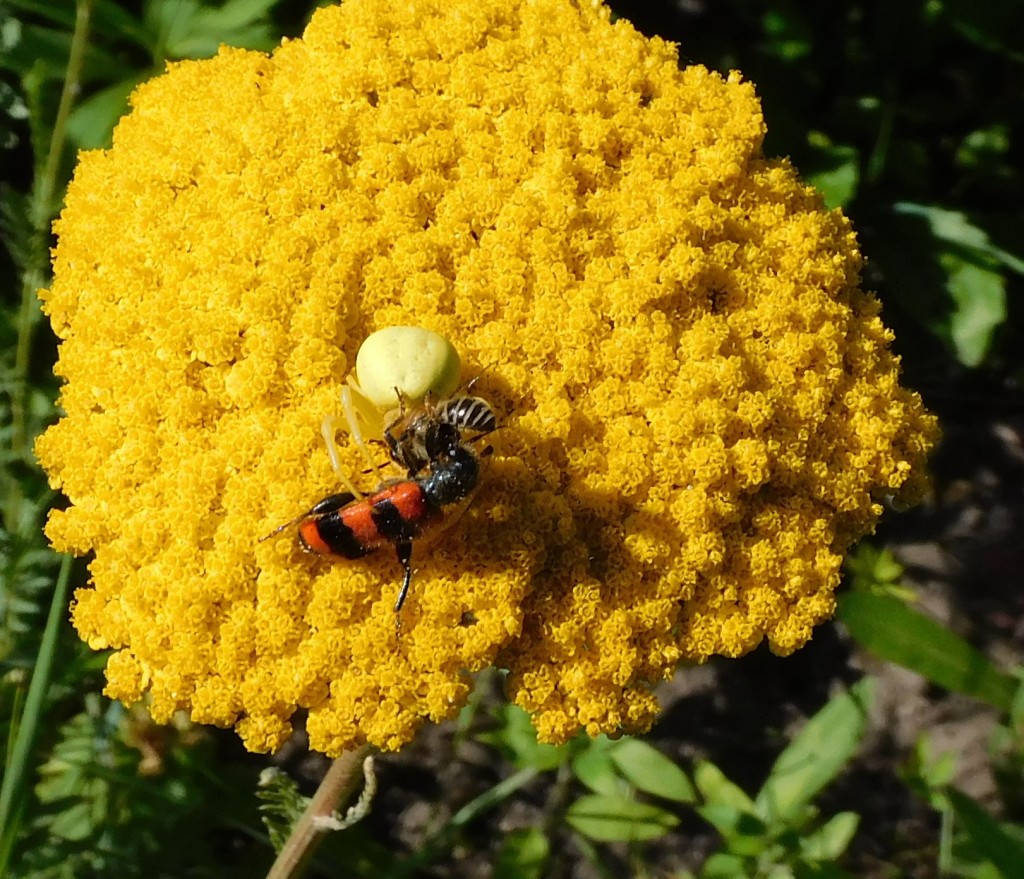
{"x":404,"y":550}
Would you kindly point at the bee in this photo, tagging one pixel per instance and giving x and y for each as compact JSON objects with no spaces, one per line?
{"x":411,"y":435}
{"x":400,"y":511}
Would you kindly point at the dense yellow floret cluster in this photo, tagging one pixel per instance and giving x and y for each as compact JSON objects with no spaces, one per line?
{"x":699,"y":408}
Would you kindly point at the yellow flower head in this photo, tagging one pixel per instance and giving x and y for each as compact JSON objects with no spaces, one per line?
{"x":699,"y":410}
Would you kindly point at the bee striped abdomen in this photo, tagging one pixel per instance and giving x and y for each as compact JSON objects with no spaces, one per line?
{"x":418,"y":438}
{"x":469,"y":413}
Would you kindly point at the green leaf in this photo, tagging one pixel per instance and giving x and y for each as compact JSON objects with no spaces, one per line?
{"x":618,"y":819}
{"x":979,"y":294}
{"x":833,"y":169}
{"x":993,"y":26}
{"x":57,"y":11}
{"x":595,"y":768}
{"x":893,"y":631}
{"x":718,"y":790}
{"x":949,"y":274}
{"x":651,"y":771}
{"x":971,"y":264}
{"x":280,"y":803}
{"x":48,"y":49}
{"x":831,"y":840}
{"x":91,"y":122}
{"x":722,"y":865}
{"x":187,"y":29}
{"x":75,"y":821}
{"x":958,"y":230}
{"x":816,"y":755}
{"x":112,"y":20}
{"x":936,"y":772}
{"x":517,"y":738}
{"x":236,"y":14}
{"x":819,"y":871}
{"x":787,"y":34}
{"x":991,"y":841}
{"x":984,"y":146}
{"x":744,"y":832}
{"x":870,"y":567}
{"x":523,"y":855}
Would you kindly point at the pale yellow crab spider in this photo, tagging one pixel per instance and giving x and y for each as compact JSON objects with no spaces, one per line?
{"x":395,"y":367}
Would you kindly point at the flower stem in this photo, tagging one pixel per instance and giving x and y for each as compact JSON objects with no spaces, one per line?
{"x":337,"y":788}
{"x":41,"y":215}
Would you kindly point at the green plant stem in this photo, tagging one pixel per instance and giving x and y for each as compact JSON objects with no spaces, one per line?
{"x":15,"y":773}
{"x":495,"y":796}
{"x":553,"y":814}
{"x":945,"y":859}
{"x":432,"y":847}
{"x":883,"y":139}
{"x":337,"y":787}
{"x":41,"y":217}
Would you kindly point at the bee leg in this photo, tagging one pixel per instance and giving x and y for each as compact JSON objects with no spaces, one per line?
{"x":404,"y":550}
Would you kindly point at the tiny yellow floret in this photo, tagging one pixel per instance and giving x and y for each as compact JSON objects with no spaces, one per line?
{"x":699,"y":406}
{"x":411,"y":361}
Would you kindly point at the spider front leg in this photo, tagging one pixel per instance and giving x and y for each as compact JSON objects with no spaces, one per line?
{"x":393,"y":365}
{"x":328,"y":428}
{"x":355,"y":407}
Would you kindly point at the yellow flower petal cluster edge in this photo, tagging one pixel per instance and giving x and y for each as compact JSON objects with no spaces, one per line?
{"x":700,"y":410}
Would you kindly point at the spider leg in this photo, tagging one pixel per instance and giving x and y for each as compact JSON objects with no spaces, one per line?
{"x":327,"y":428}
{"x":355,"y":406}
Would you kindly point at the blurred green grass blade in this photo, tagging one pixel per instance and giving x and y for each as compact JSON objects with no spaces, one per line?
{"x":17,"y":769}
{"x":891,"y":630}
{"x":816,"y":756}
{"x":990,"y":840}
